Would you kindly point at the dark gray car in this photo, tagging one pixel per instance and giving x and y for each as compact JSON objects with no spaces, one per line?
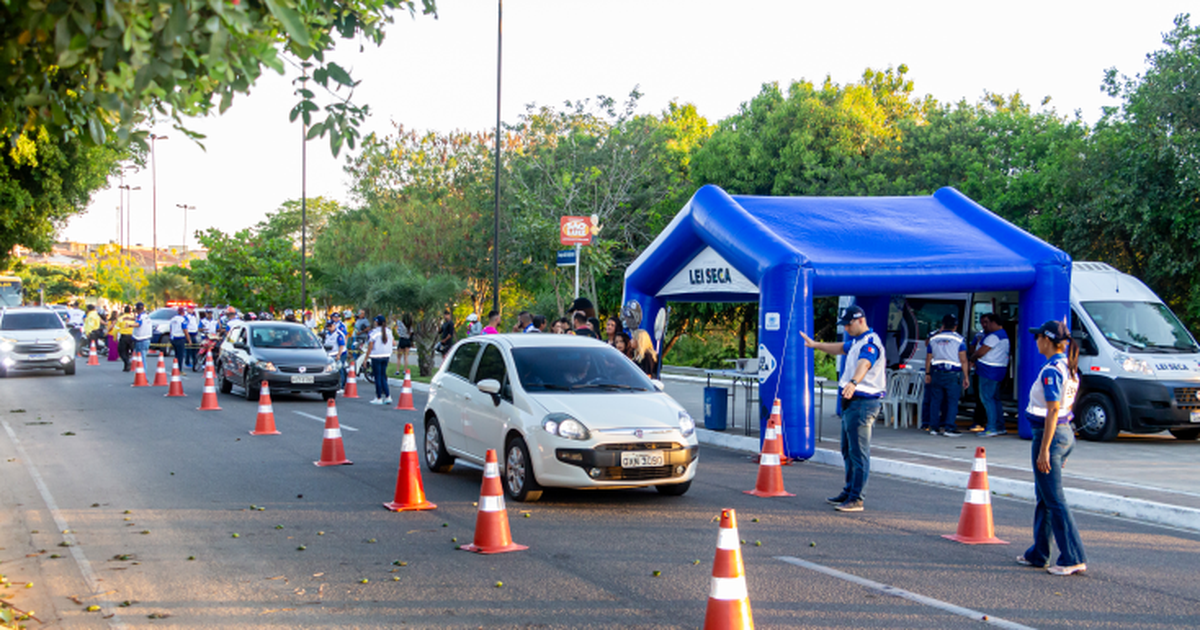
{"x":288,"y":356}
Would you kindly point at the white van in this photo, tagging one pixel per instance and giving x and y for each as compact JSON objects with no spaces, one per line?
{"x":1139,"y":366}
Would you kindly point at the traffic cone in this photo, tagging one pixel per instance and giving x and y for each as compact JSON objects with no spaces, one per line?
{"x":160,"y":372}
{"x":770,"y":475}
{"x":208,"y":402}
{"x":777,"y":417}
{"x":728,"y":601}
{"x":93,"y":359}
{"x":333,"y":452}
{"x":264,"y":424}
{"x":139,"y":371}
{"x":405,"y":401}
{"x":410,"y":492}
{"x":176,"y":389}
{"x":351,"y":389}
{"x":975,"y":523}
{"x":491,"y":521}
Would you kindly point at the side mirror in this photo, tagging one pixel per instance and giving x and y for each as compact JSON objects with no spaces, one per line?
{"x":240,"y":345}
{"x":491,"y":387}
{"x":658,"y":385}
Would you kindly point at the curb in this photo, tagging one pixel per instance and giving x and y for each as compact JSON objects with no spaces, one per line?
{"x":1087,"y":500}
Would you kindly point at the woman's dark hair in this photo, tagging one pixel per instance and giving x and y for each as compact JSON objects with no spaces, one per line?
{"x":1073,"y":358}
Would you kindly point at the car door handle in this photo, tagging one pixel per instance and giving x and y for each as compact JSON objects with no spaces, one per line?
{"x":467,"y":397}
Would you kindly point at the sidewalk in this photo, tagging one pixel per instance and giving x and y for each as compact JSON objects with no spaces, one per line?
{"x":1146,"y":477}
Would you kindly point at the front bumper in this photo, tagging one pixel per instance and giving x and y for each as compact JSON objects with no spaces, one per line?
{"x":1157,"y":405}
{"x":36,"y":361}
{"x":603,"y":462}
{"x":282,"y":381}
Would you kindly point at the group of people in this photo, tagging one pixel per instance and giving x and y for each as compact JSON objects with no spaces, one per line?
{"x":862,"y":386}
{"x":947,"y":375}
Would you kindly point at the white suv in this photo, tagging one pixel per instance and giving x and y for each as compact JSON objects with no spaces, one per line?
{"x":34,"y":337}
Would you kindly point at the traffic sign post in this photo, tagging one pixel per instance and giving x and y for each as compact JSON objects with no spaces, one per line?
{"x":567,"y":257}
{"x":575,"y":231}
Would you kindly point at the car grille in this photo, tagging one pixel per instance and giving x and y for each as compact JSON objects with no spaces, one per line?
{"x":37,"y":348}
{"x":308,"y":369}
{"x":616,"y":473}
{"x":637,"y":446}
{"x":1185,"y":397}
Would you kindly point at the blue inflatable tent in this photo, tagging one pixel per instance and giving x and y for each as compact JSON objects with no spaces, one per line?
{"x":784,"y":251}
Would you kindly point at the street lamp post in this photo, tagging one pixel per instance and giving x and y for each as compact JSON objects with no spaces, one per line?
{"x":122,"y":243}
{"x":154,"y":199}
{"x":185,"y":232}
{"x":496,"y":211}
{"x":128,"y":209}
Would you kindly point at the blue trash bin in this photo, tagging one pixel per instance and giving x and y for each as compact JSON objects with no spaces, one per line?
{"x":716,"y":408}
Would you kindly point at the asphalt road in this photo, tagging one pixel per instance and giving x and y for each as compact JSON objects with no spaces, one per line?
{"x":143,"y":483}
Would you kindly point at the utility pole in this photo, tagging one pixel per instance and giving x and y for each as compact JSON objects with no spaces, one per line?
{"x":154,"y":199}
{"x":496,"y":213}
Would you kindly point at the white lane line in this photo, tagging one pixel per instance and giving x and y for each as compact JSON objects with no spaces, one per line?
{"x":899,"y":592}
{"x":85,"y":567}
{"x":322,"y":420}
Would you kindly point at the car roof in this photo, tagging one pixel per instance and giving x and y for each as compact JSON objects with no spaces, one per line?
{"x":273,"y":323}
{"x":539,"y":340}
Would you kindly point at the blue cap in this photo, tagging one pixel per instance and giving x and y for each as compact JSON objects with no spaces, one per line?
{"x":851,"y":313}
{"x":1053,"y":330}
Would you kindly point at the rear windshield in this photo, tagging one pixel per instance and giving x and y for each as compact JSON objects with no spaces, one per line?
{"x":283,"y":337}
{"x":590,"y":369}
{"x":31,"y":321}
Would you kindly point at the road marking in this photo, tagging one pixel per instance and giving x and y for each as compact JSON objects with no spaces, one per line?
{"x":322,"y":421}
{"x":898,"y":592}
{"x":85,"y":567}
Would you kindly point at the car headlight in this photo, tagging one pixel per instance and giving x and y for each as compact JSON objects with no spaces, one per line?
{"x":331,"y":367}
{"x":1132,"y":365}
{"x":687,"y":426}
{"x":67,"y":343}
{"x":266,"y":366}
{"x":564,"y":426}
{"x":7,"y":345}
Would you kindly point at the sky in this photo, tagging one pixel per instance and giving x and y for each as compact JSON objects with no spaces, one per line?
{"x":440,"y":74}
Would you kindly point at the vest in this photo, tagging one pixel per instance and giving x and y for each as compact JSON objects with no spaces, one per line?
{"x":944,"y":348}
{"x":874,"y":383}
{"x":1037,"y":394}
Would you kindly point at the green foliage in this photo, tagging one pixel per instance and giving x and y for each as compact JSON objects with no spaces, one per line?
{"x":249,"y":270}
{"x":58,"y":284}
{"x":117,"y":276}
{"x":286,"y":221}
{"x":170,"y":283}
{"x":89,"y":68}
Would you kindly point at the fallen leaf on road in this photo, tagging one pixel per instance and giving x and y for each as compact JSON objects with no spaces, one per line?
{"x":277,"y":577}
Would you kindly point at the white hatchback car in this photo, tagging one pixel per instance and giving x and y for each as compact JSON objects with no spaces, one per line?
{"x":561,"y":411}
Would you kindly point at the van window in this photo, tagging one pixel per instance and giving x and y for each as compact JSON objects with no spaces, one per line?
{"x":1141,"y":327}
{"x":1088,"y":346}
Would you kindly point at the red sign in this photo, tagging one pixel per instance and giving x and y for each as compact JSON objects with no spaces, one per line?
{"x":575,"y":231}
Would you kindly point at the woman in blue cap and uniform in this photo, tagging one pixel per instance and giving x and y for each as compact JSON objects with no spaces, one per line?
{"x":1050,"y":401}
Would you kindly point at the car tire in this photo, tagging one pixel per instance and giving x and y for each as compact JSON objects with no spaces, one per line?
{"x":3,"y":373}
{"x":1186,"y":434}
{"x":1096,"y":417}
{"x":252,"y":392}
{"x":329,"y":394}
{"x":69,"y":369}
{"x":674,"y":489}
{"x":519,"y":483}
{"x":436,"y":458}
{"x":224,"y":383}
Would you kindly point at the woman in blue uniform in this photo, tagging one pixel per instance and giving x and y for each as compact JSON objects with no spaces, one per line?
{"x":1049,"y":413}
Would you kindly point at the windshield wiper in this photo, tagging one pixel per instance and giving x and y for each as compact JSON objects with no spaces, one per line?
{"x":548,"y":386}
{"x":600,"y":385}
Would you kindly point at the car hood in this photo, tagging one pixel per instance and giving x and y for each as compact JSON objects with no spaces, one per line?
{"x":45,"y":334}
{"x":646,"y":410}
{"x":292,"y":356}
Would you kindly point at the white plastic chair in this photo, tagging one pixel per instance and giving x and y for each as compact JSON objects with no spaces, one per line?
{"x":914,"y":398}
{"x":894,"y":398}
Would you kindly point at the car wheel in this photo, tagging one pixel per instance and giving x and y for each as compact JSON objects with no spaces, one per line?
{"x":1097,"y":418}
{"x":225,"y":384}
{"x":674,"y":489}
{"x":252,"y":392}
{"x":69,"y":369}
{"x":519,"y":482}
{"x":329,"y":394}
{"x":1186,"y":434}
{"x":3,"y":373}
{"x":436,"y":457}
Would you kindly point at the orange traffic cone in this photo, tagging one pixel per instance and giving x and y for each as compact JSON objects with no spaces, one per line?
{"x":208,"y":402}
{"x":777,"y":417}
{"x":351,"y":389}
{"x":160,"y":372}
{"x":491,"y":521}
{"x":176,"y":389}
{"x":333,"y":452}
{"x":264,"y":424}
{"x":92,"y":358}
{"x":410,"y":492}
{"x":139,"y":371}
{"x":975,"y":523}
{"x":405,"y":401}
{"x":770,"y":476}
{"x":728,"y":601}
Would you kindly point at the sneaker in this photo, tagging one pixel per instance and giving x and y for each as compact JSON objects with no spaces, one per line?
{"x":925,"y":428}
{"x":951,"y":433}
{"x":991,"y":433}
{"x":850,"y":506}
{"x":387,"y":401}
{"x":838,"y":500}
{"x":377,"y":401}
{"x":1023,"y":562}
{"x":1071,"y":570}
{"x":935,"y":432}
{"x":977,"y":429}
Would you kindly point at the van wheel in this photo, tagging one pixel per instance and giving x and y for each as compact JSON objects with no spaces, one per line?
{"x":519,"y":482}
{"x":1097,"y":418}
{"x":1185,"y":434}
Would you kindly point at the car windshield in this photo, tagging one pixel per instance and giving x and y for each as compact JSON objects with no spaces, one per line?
{"x":163,"y":313}
{"x":283,"y":337}
{"x":31,"y":321}
{"x":590,"y":369}
{"x":1143,"y":327}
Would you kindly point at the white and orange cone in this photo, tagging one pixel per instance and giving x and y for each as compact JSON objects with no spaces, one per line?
{"x":405,"y":401}
{"x":728,"y":599}
{"x":160,"y":372}
{"x":770,"y":475}
{"x":92,"y":358}
{"x":333,"y":452}
{"x":351,"y":389}
{"x":176,"y":389}
{"x":410,"y":492}
{"x":139,"y":371}
{"x":208,"y":402}
{"x":975,"y":525}
{"x":264,"y":423}
{"x":491,"y":522}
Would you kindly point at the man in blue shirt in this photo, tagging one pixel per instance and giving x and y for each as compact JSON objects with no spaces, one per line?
{"x":991,"y":364}
{"x":862,"y":386}
{"x":945,"y":356}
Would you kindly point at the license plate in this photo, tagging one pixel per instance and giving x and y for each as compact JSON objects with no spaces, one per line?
{"x":302,"y":378}
{"x":1196,"y":416}
{"x":641,"y":459}
{"x":42,"y":356}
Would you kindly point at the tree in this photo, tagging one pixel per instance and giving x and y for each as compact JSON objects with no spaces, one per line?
{"x":248,"y":270}
{"x":117,"y":275}
{"x":285,"y":222}
{"x":94,"y":67}
{"x":169,"y":284}
{"x":56,"y":284}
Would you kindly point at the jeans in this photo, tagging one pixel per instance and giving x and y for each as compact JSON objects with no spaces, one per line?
{"x":379,"y":369}
{"x":192,"y":351}
{"x":858,"y":415}
{"x":944,"y":391}
{"x":989,"y":397}
{"x":1051,"y":515}
{"x":179,"y":345}
{"x":142,"y":347}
